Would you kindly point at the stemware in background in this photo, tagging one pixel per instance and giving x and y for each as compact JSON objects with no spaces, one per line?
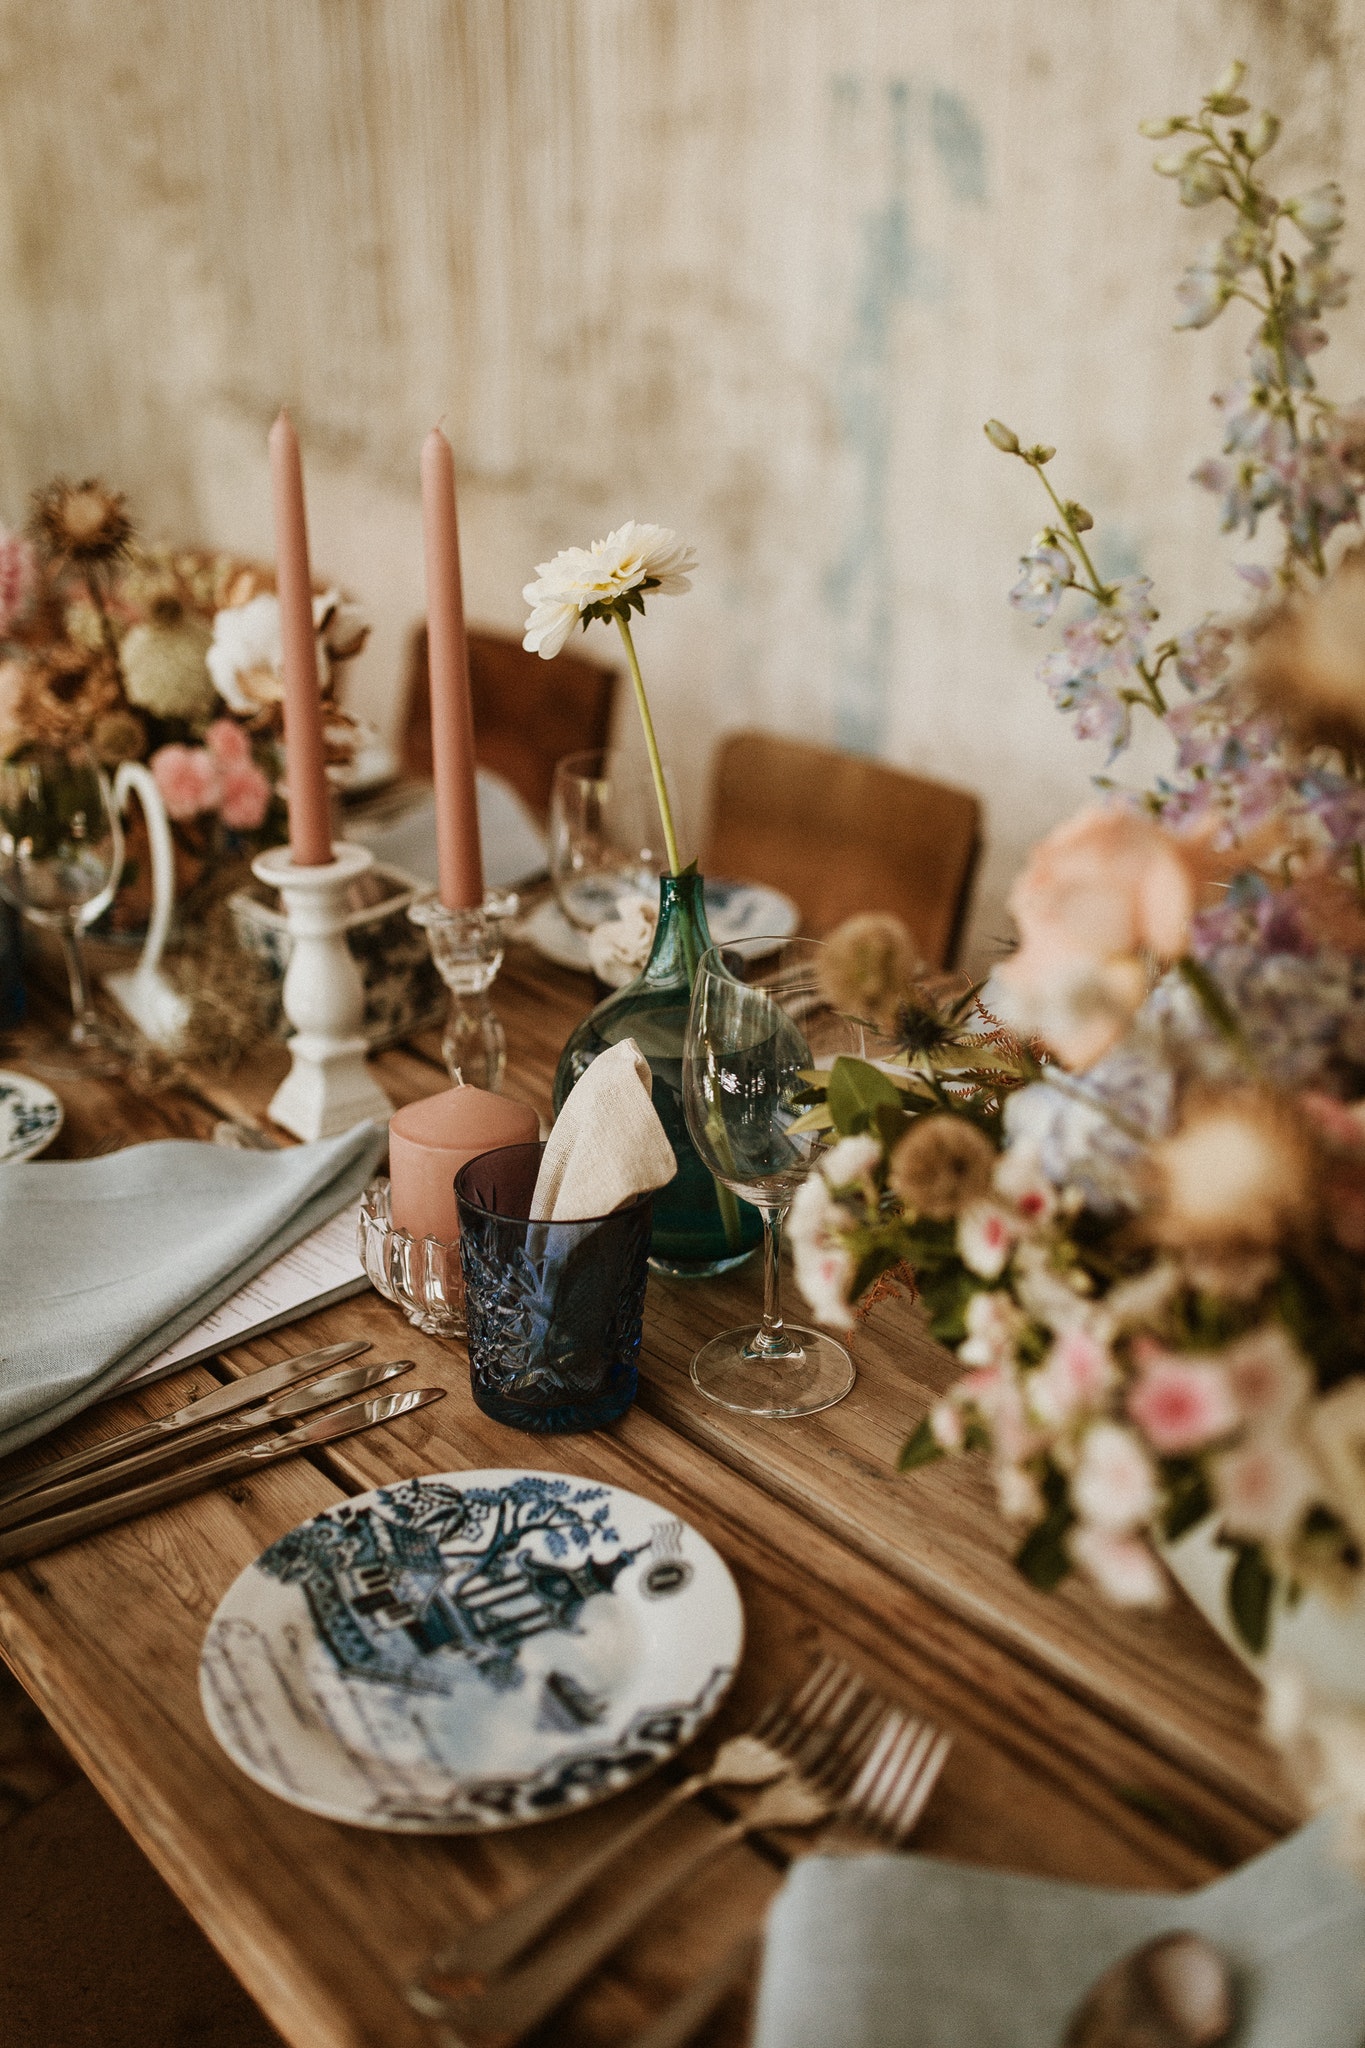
{"x":757,"y":1025}
{"x":61,"y":855}
{"x":606,"y":841}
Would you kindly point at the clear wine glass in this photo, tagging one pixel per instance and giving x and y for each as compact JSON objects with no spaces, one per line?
{"x":606,"y":841}
{"x":61,"y":855}
{"x":758,"y":1024}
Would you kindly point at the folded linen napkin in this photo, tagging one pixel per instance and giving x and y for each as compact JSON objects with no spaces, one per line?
{"x":103,"y":1262}
{"x":607,"y":1145}
{"x":905,"y":1952}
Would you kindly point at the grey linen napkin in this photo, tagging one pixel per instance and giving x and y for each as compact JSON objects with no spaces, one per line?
{"x":103,"y":1262}
{"x":905,"y":1952}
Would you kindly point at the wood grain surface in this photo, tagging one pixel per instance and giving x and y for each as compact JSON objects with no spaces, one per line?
{"x":1089,"y":1744}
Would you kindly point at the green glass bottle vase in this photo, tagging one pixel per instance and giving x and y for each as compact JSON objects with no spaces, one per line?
{"x":699,"y":1229}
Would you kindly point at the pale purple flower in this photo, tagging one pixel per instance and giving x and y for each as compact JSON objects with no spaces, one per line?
{"x":1045,"y":575}
{"x":1202,"y":295}
{"x":1201,"y":654}
{"x":1320,"y":213}
{"x":1246,"y":488}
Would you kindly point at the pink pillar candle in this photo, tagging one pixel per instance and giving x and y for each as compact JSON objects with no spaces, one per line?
{"x":430,"y":1140}
{"x":310,"y":820}
{"x":458,"y":856}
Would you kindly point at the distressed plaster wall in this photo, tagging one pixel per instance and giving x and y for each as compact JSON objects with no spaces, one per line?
{"x":753,"y":268}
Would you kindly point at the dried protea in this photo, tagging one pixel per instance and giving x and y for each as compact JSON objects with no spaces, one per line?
{"x":66,"y":690}
{"x":869,"y":969}
{"x":1236,"y":1181}
{"x":1306,"y":664}
{"x":85,"y":524}
{"x":941,"y":1166}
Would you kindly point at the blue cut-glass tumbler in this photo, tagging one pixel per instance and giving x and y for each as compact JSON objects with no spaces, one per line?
{"x":553,"y":1310}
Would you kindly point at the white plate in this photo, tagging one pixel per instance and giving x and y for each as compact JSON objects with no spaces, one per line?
{"x":30,"y":1117}
{"x":471,"y":1650}
{"x":734,"y":910}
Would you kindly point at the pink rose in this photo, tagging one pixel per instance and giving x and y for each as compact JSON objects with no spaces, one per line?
{"x":1075,"y":1375}
{"x":1180,"y":1404}
{"x":245,"y":796}
{"x":1114,"y":1484}
{"x":187,"y":778}
{"x":1263,"y":1488}
{"x":228,"y":743}
{"x":18,"y":571}
{"x":1100,"y":891}
{"x":1268,"y":1374}
{"x":1122,"y":1567}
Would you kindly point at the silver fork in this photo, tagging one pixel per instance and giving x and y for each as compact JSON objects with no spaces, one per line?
{"x":826,"y":1698}
{"x":824,"y":1765}
{"x":885,"y":1803}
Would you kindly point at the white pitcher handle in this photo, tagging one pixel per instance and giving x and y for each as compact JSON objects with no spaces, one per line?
{"x":132,"y":778}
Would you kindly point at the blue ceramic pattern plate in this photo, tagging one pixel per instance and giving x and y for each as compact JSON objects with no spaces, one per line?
{"x":469,"y":1651}
{"x":30,"y":1118}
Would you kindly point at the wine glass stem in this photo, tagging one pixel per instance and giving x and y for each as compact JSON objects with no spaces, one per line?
{"x":771,"y":1336}
{"x":76,"y":976}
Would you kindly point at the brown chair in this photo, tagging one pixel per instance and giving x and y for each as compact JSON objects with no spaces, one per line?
{"x":841,"y":834}
{"x":527,"y":712}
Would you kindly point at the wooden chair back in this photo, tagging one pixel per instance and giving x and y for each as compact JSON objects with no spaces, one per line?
{"x":840,"y":834}
{"x":528,"y":713}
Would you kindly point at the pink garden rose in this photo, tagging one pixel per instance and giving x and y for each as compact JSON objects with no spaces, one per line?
{"x":1181,"y":1403}
{"x":1262,"y":1488}
{"x":1114,"y":1484}
{"x":245,"y":796}
{"x":228,"y":743}
{"x":1075,"y":1375}
{"x":1122,"y":1567}
{"x":187,"y":778}
{"x":1097,"y":894}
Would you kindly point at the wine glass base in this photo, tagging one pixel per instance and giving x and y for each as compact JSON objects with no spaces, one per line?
{"x":730,"y":1372}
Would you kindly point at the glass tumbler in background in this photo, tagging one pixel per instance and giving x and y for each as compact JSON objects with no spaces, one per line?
{"x":553,"y":1311}
{"x":606,"y":841}
{"x":61,"y":855}
{"x":758,"y":1025}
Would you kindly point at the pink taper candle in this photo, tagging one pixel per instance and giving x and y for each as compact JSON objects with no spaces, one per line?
{"x":458,"y":857}
{"x":310,"y":823}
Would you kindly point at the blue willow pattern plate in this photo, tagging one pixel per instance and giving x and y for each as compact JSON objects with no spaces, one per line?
{"x":470,"y":1651}
{"x":30,"y":1118}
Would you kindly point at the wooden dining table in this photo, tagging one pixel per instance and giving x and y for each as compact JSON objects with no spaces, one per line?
{"x":1090,"y":1743}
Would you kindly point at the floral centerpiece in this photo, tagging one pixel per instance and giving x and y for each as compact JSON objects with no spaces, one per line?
{"x":163,"y":655}
{"x":1128,"y":1174}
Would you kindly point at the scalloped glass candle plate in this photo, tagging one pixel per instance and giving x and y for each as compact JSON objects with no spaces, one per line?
{"x":30,"y":1117}
{"x":470,"y":1651}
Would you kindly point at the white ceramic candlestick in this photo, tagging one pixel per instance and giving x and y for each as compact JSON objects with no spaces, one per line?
{"x":328,"y":1087}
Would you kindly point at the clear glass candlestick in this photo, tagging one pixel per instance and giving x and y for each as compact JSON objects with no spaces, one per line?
{"x":467,"y":946}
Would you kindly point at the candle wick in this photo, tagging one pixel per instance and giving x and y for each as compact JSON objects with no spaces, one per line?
{"x":459,"y":1076}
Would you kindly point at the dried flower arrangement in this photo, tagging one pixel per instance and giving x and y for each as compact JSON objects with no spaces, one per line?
{"x":166,"y":655}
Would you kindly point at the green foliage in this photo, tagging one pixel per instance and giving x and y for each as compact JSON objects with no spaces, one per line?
{"x":856,"y":1092}
{"x":1251,"y":1590}
{"x":1042,"y":1557}
{"x":1188,"y":1499}
{"x":923,"y":1448}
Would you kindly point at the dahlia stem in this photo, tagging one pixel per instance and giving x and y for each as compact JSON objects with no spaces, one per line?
{"x":655,"y":764}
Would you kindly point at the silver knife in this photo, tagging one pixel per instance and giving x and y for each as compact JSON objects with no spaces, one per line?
{"x":34,"y":1538}
{"x":222,"y":1401}
{"x":338,"y":1386}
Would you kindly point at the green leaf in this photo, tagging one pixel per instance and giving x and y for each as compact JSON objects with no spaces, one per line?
{"x":890,"y":1124}
{"x":1251,"y":1590}
{"x":856,"y":1092}
{"x":1188,"y":1499}
{"x":1042,"y":1556}
{"x":923,"y":1448}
